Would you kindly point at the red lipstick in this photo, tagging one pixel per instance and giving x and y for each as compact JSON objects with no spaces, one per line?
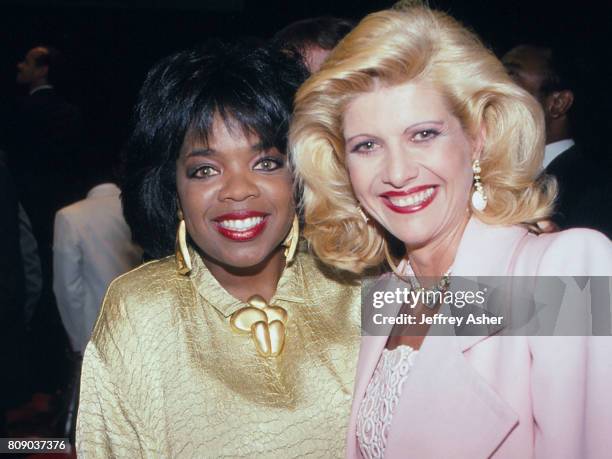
{"x":241,"y":235}
{"x":409,"y":209}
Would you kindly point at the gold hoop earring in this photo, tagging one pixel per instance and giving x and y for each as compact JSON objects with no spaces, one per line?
{"x":291,"y":241}
{"x":390,"y":261}
{"x":183,"y":259}
{"x":479,"y":198}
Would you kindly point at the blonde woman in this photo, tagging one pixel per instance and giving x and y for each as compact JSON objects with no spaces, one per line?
{"x":413,"y":129}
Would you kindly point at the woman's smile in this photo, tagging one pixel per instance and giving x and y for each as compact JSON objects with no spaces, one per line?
{"x":410,"y":201}
{"x":241,"y":226}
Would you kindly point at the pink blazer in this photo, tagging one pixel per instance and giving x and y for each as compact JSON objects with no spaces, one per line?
{"x":505,"y":397}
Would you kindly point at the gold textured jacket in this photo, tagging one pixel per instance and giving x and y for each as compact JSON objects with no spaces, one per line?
{"x":165,"y":376}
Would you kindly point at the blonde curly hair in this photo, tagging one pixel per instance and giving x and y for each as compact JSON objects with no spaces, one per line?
{"x":394,"y":47}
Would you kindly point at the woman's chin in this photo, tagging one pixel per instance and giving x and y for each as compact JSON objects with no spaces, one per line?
{"x":243,"y":259}
{"x":414,"y":237}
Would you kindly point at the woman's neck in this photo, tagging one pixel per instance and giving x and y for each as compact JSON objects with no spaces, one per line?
{"x":435,"y":258}
{"x":242,"y":283}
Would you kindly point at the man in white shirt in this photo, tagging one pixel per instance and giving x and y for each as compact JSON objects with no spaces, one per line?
{"x":584,"y":198}
{"x":92,"y":245}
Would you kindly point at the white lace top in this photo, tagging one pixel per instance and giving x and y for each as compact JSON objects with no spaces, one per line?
{"x":381,"y":399}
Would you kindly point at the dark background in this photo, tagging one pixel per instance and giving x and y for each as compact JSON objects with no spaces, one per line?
{"x":111,"y":44}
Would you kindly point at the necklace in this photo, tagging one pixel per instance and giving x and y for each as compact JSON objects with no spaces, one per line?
{"x":265,"y":323}
{"x":434,"y":293}
{"x":430,"y":297}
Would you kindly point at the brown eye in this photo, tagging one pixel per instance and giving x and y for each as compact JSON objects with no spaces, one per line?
{"x":268,"y":164}
{"x":204,"y":172}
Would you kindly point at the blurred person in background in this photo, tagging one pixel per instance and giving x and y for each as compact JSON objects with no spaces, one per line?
{"x":45,"y":144}
{"x":44,"y":157}
{"x":12,"y":297}
{"x":585,"y":188}
{"x":92,"y":245}
{"x":314,"y":38}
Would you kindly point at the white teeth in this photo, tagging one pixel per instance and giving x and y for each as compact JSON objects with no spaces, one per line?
{"x":241,"y":225}
{"x":412,"y":200}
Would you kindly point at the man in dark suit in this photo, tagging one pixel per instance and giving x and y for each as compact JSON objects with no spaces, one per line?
{"x":11,"y":299}
{"x":585,"y":191}
{"x":46,"y":143}
{"x":43,"y":158}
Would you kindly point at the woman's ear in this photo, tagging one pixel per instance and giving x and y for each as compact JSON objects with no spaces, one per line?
{"x":479,"y":141}
{"x":179,"y":209}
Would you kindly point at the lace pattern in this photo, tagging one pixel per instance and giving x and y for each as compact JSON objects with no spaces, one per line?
{"x":381,"y":399}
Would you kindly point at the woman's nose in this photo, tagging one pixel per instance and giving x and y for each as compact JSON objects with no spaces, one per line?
{"x":238,"y":187}
{"x":400,"y":167}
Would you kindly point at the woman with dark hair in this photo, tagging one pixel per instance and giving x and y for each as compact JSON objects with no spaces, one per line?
{"x":233,"y":342}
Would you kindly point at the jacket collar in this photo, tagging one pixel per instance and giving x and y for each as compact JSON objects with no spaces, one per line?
{"x":43,"y":87}
{"x":486,"y":250}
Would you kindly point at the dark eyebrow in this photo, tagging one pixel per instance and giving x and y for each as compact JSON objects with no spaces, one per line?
{"x":257,"y":147}
{"x":208,"y":152}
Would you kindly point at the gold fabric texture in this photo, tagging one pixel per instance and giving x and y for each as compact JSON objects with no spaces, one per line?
{"x":165,"y":376}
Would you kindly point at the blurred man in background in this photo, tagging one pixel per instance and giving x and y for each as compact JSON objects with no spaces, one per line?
{"x":11,"y":301}
{"x":313,"y":39}
{"x":92,"y":244}
{"x":585,"y":191}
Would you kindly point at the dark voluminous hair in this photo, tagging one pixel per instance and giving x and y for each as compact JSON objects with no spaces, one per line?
{"x":245,"y":83}
{"x":324,"y":32}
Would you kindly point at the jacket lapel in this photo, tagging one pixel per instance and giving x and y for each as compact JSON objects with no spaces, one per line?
{"x":447,"y":409}
{"x":485,"y":250}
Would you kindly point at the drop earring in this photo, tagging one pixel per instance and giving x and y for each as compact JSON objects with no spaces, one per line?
{"x":479,"y":198}
{"x":362,"y":214}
